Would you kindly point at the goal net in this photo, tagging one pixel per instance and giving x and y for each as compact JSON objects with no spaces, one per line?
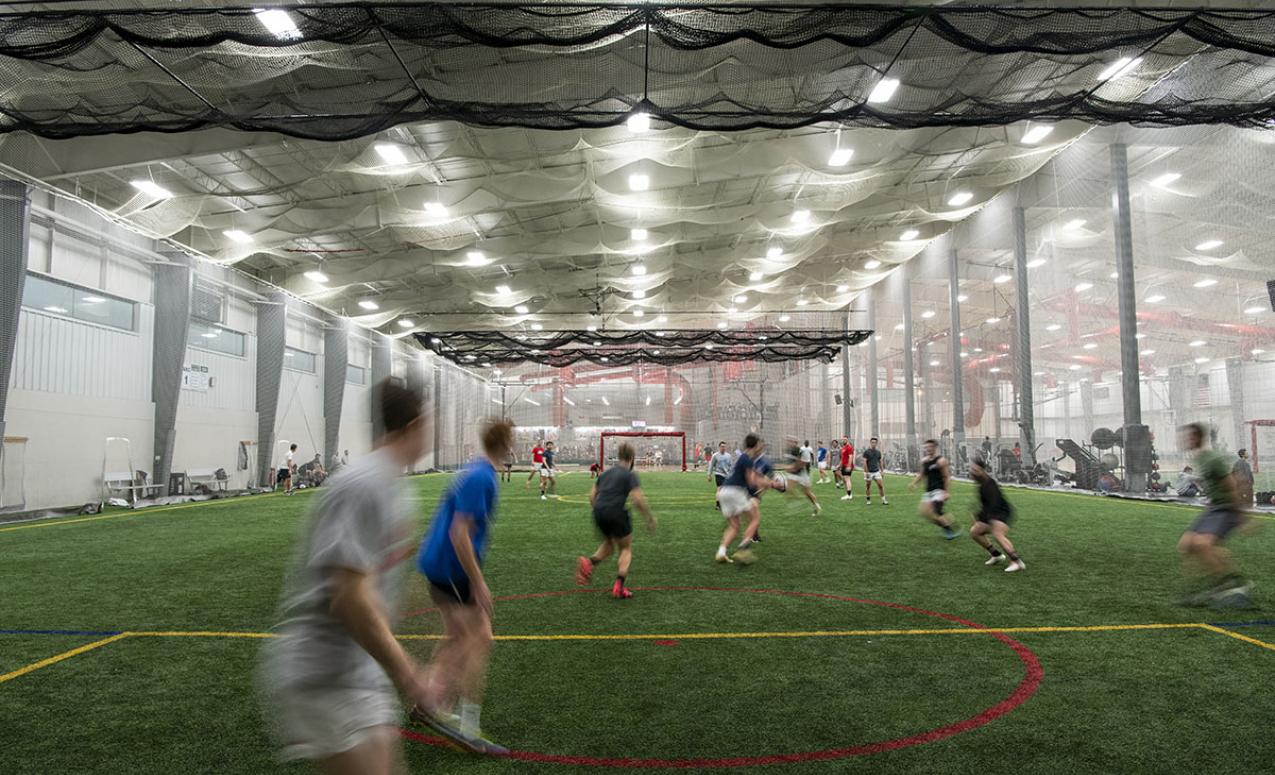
{"x":1263,"y":460}
{"x":653,"y":450}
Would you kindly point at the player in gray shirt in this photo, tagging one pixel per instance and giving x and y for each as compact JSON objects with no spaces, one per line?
{"x":719,"y":468}
{"x":328,"y":681}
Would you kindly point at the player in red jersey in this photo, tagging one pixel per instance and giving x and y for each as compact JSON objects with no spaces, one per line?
{"x":537,"y":463}
{"x":847,"y":467}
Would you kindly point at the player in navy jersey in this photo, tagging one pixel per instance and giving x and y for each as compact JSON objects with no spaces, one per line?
{"x":936,"y":474}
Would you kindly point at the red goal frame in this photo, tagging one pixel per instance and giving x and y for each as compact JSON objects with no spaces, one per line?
{"x":1253,"y":451}
{"x":602,"y":447}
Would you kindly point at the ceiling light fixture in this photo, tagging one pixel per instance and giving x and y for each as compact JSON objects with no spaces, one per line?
{"x":1075,"y":223}
{"x":1002,"y":278}
{"x":801,"y":217}
{"x":802,"y":302}
{"x":1120,"y":67}
{"x":638,"y":294}
{"x":1036,"y":134}
{"x":1053,"y":327}
{"x":477,"y":258}
{"x":436,"y":209}
{"x":840,"y":157}
{"x":741,"y":299}
{"x":926,"y":315}
{"x":638,"y":235}
{"x":1254,"y":310}
{"x":152,"y":189}
{"x":1207,"y":282}
{"x":314,"y":275}
{"x":639,"y":182}
{"x":406,"y":322}
{"x":503,"y":290}
{"x":884,"y":90}
{"x":1166,"y":179}
{"x":278,"y":23}
{"x":639,"y":123}
{"x":909,"y":235}
{"x":638,"y":270}
{"x":962,"y":298}
{"x":238,"y":235}
{"x":537,"y":327}
{"x":1210,"y":244}
{"x":639,"y":313}
{"x":960,"y":198}
{"x":785,"y":318}
{"x":369,"y":305}
{"x":1197,"y":343}
{"x":521,"y":309}
{"x":1154,"y":298}
{"x":843,"y":288}
{"x":1083,"y":287}
{"x":755,"y":277}
{"x":391,"y":154}
{"x":871,"y":263}
{"x":1036,"y":263}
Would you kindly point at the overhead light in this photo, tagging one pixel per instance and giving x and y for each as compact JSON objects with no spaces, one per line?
{"x":1036,"y":134}
{"x":152,"y":189}
{"x":56,"y":308}
{"x":993,"y":320}
{"x":639,"y":182}
{"x":1207,"y":282}
{"x":1148,"y":352}
{"x":639,"y":123}
{"x":898,"y":327}
{"x":840,"y":157}
{"x":1154,"y":298}
{"x":1091,"y":346}
{"x":1202,"y":359}
{"x":843,"y":288}
{"x":238,"y":235}
{"x":1139,"y":336}
{"x":1053,"y":327}
{"x":741,"y":299}
{"x":638,"y":235}
{"x":978,"y":349}
{"x":1035,"y":263}
{"x":278,"y":23}
{"x":477,"y":258}
{"x":1038,"y":373}
{"x":214,"y":334}
{"x":528,"y":400}
{"x":679,"y":398}
{"x":638,"y":294}
{"x":1254,"y":310}
{"x":1210,"y":244}
{"x":1119,"y":67}
{"x":1114,"y":276}
{"x":755,"y":276}
{"x":995,"y":369}
{"x":935,"y":363}
{"x":537,"y":327}
{"x":871,"y":263}
{"x":1074,"y":367}
{"x":316,"y":276}
{"x":436,"y":209}
{"x":662,"y":319}
{"x":802,"y":302}
{"x":638,"y":270}
{"x":884,"y":90}
{"x":590,"y":328}
{"x":648,"y":400}
{"x":503,"y":290}
{"x":1083,"y":286}
{"x":1197,"y":343}
{"x":1002,"y":278}
{"x":1075,"y":223}
{"x":93,"y":299}
{"x":733,"y":310}
{"x":406,"y":322}
{"x":926,"y":315}
{"x":960,"y":198}
{"x":521,"y":309}
{"x":1256,"y":351}
{"x":785,"y":318}
{"x":639,"y":313}
{"x":568,"y":401}
{"x":721,"y":324}
{"x":369,"y":305}
{"x":964,"y":354}
{"x":390,"y":153}
{"x":604,"y":398}
{"x":774,"y":252}
{"x":909,"y":235}
{"x":708,"y":345}
{"x":435,"y":340}
{"x":1166,"y":179}
{"x":962,"y":298}
{"x":801,"y":217}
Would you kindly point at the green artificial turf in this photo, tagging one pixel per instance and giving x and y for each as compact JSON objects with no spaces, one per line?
{"x":1122,"y":701}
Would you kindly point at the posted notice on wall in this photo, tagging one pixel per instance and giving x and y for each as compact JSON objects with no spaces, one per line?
{"x":196,"y":378}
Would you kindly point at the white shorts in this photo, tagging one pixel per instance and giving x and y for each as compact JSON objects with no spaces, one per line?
{"x":802,"y":478}
{"x":823,"y":465}
{"x":934,"y":496}
{"x":318,"y":723}
{"x":544,"y":470}
{"x":734,"y":501}
{"x":871,"y":476}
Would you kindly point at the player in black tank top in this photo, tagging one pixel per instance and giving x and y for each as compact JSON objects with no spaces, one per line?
{"x":935,"y":472}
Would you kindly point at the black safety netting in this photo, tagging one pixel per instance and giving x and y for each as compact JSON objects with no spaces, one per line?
{"x":341,"y":71}
{"x":623,"y":348}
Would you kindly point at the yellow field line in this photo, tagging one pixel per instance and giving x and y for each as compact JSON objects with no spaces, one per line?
{"x":197,"y":634}
{"x":1237,"y":636}
{"x":129,"y":513}
{"x":53,"y":660}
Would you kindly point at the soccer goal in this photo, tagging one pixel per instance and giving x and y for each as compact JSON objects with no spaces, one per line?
{"x":654,"y":450}
{"x":1263,"y":457}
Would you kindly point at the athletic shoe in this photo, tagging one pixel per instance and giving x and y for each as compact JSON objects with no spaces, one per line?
{"x":723,"y":558}
{"x":1236,"y":597}
{"x":818,"y":510}
{"x":438,"y":723}
{"x":544,"y":497}
{"x":1016,"y":566}
{"x":620,"y":592}
{"x":950,"y":534}
{"x":847,"y":497}
{"x":584,"y":571}
{"x":885,"y":502}
{"x":756,"y":539}
{"x":868,"y":501}
{"x":744,"y":557}
{"x":998,"y":559}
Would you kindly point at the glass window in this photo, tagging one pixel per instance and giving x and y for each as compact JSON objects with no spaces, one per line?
{"x":298,"y":360}
{"x":355,"y":375}
{"x":80,"y":303}
{"x":215,"y":338}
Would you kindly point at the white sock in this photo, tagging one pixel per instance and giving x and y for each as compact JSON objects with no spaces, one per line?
{"x":469,"y":717}
{"x":721,"y":550}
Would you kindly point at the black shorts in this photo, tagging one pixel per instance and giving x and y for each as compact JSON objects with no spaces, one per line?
{"x":452,"y":591}
{"x":988,"y":519}
{"x":1218,"y":521}
{"x":721,"y":480}
{"x":614,"y":524}
{"x":847,"y":471}
{"x":283,"y":474}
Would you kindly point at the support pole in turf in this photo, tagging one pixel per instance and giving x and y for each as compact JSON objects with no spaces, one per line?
{"x":15,"y":240}
{"x":954,"y":350}
{"x":336,"y":359}
{"x":874,"y":415}
{"x":174,"y":284}
{"x":1023,"y":343}
{"x":847,"y":411}
{"x":382,"y":368}
{"x":438,"y":415}
{"x":1235,"y":386}
{"x":272,"y":325}
{"x":1130,"y":376}
{"x":904,"y":276}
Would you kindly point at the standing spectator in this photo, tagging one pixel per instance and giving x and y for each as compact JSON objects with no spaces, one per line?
{"x":1243,"y":474}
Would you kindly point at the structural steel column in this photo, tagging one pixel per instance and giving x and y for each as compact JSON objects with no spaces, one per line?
{"x":909,"y":367}
{"x":382,"y":367}
{"x":174,"y":284}
{"x":272,"y":327}
{"x":438,"y":414}
{"x":954,"y":351}
{"x":874,"y":414}
{"x":15,"y":239}
{"x":336,"y":358}
{"x":927,"y":395}
{"x":1130,"y":376}
{"x":1235,"y":386}
{"x":847,"y":411}
{"x":1066,"y":393}
{"x":1023,"y":342}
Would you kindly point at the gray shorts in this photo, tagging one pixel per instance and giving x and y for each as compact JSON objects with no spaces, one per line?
{"x":1218,"y":521}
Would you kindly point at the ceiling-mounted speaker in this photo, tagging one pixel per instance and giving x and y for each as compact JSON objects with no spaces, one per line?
{"x":836,"y":397}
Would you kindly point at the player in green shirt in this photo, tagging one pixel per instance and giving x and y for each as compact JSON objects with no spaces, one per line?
{"x":1201,"y":546}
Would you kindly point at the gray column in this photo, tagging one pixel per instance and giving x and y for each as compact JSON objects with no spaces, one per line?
{"x":438,"y":415}
{"x":1235,"y":386}
{"x":1023,"y":342}
{"x":1178,"y":395}
{"x":954,"y":351}
{"x":174,"y":284}
{"x":336,"y":359}
{"x":382,"y":367}
{"x":1066,"y":393}
{"x":825,"y":400}
{"x":927,"y":396}
{"x":15,"y":239}
{"x":873,"y":375}
{"x":1130,"y":376}
{"x":909,"y":366}
{"x":847,"y":411}
{"x":272,"y":332}
{"x":1086,"y":410}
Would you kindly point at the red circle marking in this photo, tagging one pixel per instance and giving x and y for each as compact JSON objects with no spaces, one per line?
{"x":663,"y":643}
{"x":1025,"y":689}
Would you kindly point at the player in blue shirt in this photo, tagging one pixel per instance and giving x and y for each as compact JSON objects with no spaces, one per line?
{"x":735,"y":497}
{"x":451,"y":559}
{"x":821,"y":460}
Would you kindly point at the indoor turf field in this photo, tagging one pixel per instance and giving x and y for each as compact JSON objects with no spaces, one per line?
{"x":130,"y":639}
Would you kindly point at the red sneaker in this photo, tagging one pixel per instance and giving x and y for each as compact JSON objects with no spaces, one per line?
{"x":584,"y":571}
{"x":620,"y":592}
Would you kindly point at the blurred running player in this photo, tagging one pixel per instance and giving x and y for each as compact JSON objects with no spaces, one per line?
{"x":937,"y":477}
{"x":873,"y":471}
{"x":736,"y":501}
{"x":847,"y":468}
{"x":797,"y":470}
{"x":548,"y":474}
{"x":1203,"y":555}
{"x":610,"y":497}
{"x":821,"y":461}
{"x":994,"y":516}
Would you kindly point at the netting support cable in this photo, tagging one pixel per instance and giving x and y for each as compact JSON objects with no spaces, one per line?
{"x":425,"y":98}
{"x":174,"y":284}
{"x":176,"y":78}
{"x":954,"y":349}
{"x":904,"y":275}
{"x":1130,"y":376}
{"x":1023,"y":342}
{"x":15,"y":241}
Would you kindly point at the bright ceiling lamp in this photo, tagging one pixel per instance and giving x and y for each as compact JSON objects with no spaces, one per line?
{"x":314,"y":275}
{"x":639,"y":123}
{"x":93,"y":300}
{"x":639,"y":313}
{"x":1074,"y":223}
{"x":1148,"y":352}
{"x":884,"y":90}
{"x":638,"y":270}
{"x":591,"y":328}
{"x":774,"y":252}
{"x":522,"y":309}
{"x":898,"y":327}
{"x":1002,"y":278}
{"x":993,"y":321}
{"x":1154,"y":298}
{"x":785,"y":318}
{"x":840,"y":157}
{"x":531,"y":401}
{"x":1210,"y":244}
{"x":962,"y":298}
{"x":800,"y":217}
{"x":1197,"y":343}
{"x":909,"y":235}
{"x":1074,"y":367}
{"x":436,"y":209}
{"x":391,"y":154}
{"x":638,"y":294}
{"x":802,"y":302}
{"x":638,"y":235}
{"x":406,"y":322}
{"x":1114,"y":276}
{"x":935,"y":363}
{"x":152,"y":189}
{"x":926,"y":315}
{"x":995,"y":369}
{"x":369,"y":305}
{"x":755,"y":276}
{"x":477,"y":258}
{"x":568,"y":401}
{"x":639,"y":182}
{"x":1256,"y":351}
{"x":662,"y":319}
{"x":1090,"y":345}
{"x":1118,"y":68}
{"x":871,"y":263}
{"x":1036,"y":263}
{"x":1202,"y":359}
{"x":503,"y":290}
{"x":1053,"y":327}
{"x":843,"y":288}
{"x":238,"y":235}
{"x":741,"y":299}
{"x":1254,"y":310}
{"x":1036,"y":134}
{"x":1167,"y":179}
{"x":960,"y":198}
{"x":721,"y":324}
{"x":278,"y":23}
{"x":537,"y":327}
{"x":1083,"y":287}
{"x":1207,"y":282}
